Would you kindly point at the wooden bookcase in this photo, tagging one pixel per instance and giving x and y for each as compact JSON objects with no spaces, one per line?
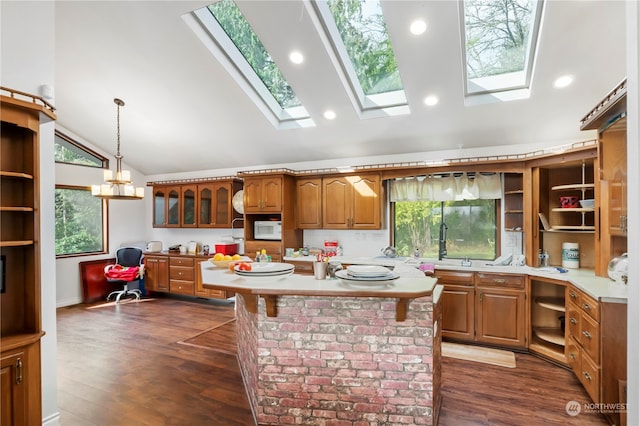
{"x":20,"y":312}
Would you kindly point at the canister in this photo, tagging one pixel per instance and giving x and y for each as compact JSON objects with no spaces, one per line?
{"x":570,"y":255}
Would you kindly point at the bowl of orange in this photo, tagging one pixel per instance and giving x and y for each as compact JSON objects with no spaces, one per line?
{"x":223,"y":260}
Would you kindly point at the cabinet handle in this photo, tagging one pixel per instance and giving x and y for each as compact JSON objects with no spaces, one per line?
{"x":572,"y":295}
{"x":586,"y":334}
{"x":572,"y":356}
{"x":19,"y":371}
{"x":480,"y":297}
{"x":499,"y":280}
{"x":573,"y":321}
{"x":586,"y":306}
{"x":586,"y":375}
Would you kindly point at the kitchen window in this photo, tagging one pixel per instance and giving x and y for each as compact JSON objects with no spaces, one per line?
{"x":446,"y":216}
{"x":69,"y":151}
{"x":81,"y":222}
{"x":469,"y":228}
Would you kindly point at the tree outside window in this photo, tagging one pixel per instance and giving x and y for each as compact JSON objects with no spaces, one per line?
{"x":471,"y":227}
{"x":80,"y":221}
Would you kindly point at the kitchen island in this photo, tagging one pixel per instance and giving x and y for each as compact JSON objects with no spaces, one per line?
{"x":322,"y":351}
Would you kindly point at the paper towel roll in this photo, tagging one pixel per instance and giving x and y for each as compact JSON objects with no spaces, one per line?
{"x":570,"y":255}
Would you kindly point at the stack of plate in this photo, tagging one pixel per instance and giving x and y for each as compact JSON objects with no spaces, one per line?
{"x":266,"y":270}
{"x":367,"y":274}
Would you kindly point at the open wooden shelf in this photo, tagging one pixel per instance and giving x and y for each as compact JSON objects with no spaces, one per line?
{"x":19,"y":175}
{"x":572,"y":187}
{"x":16,"y":209}
{"x":553,"y":303}
{"x":548,"y":350}
{"x":16,"y":243}
{"x":551,"y":335}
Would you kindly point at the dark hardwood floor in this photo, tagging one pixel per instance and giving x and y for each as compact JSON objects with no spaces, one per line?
{"x":125,"y":365}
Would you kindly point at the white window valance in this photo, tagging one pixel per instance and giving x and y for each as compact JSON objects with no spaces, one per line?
{"x":447,"y":187}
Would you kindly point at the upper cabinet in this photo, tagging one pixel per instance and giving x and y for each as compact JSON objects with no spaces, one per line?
{"x":190,"y":205}
{"x":609,"y":118}
{"x":513,"y":202}
{"x":352,"y":202}
{"x":309,"y":203}
{"x":263,"y":194}
{"x":166,"y":206}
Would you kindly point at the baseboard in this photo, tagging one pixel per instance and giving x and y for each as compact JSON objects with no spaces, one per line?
{"x":68,"y":302}
{"x":52,"y":420}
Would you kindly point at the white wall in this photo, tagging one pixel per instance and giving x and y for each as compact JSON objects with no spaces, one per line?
{"x":27,"y":62}
{"x":127,"y":220}
{"x":633,"y":157}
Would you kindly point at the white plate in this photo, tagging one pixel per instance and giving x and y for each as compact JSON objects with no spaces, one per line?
{"x":269,"y":277}
{"x":267,"y":269}
{"x":368,"y":271}
{"x":344,"y":276}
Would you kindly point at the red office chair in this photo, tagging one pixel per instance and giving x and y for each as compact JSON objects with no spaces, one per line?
{"x":128,"y":269}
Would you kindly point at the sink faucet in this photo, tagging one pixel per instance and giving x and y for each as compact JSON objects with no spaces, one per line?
{"x":442,"y":242}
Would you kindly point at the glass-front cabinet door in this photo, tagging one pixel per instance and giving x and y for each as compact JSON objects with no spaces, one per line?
{"x":173,"y":206}
{"x":159,"y":207}
{"x":205,"y":199}
{"x":223,"y":205}
{"x":188,"y":195}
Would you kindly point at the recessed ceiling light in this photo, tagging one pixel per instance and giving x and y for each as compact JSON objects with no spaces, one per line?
{"x":418,"y":27}
{"x":296,"y":57}
{"x":329,"y":114}
{"x":431,"y":100}
{"x":563,"y":81}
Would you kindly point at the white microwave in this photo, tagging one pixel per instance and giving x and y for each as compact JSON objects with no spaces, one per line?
{"x":267,"y":230}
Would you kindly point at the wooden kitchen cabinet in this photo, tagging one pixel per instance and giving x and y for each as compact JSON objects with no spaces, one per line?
{"x":309,"y":203}
{"x":206,"y":292}
{"x":548,"y":313}
{"x":513,"y":202}
{"x":156,"y":273}
{"x":263,"y":194}
{"x":20,"y":222}
{"x":215,"y":209}
{"x":501,"y":309}
{"x":166,"y":206}
{"x":458,"y":304}
{"x":352,"y":202}
{"x":182,"y":275}
{"x":188,"y":202}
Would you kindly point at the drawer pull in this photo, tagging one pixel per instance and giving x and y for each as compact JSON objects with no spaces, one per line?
{"x":572,"y":356}
{"x":19,"y":371}
{"x":586,"y":375}
{"x":572,"y":295}
{"x":586,"y":306}
{"x":573,"y":321}
{"x":499,"y":280}
{"x":586,"y":334}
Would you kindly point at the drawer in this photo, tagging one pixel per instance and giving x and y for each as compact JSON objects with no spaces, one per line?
{"x":217,"y":294}
{"x":590,"y":377}
{"x":573,"y":296}
{"x":500,"y":280}
{"x":181,"y":287}
{"x":573,"y":320}
{"x":590,"y":337}
{"x":590,"y":306}
{"x":181,"y":261}
{"x":574,"y":357}
{"x":181,"y":273}
{"x":454,"y":277}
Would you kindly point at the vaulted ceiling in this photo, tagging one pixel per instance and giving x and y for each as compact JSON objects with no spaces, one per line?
{"x":184,"y":112}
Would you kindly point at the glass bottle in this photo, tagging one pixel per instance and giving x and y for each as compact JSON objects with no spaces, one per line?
{"x":263,"y":256}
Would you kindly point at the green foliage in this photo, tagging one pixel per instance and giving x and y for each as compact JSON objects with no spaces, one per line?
{"x":79,"y":222}
{"x":62,"y":154}
{"x":365,"y":38}
{"x":471,"y":228}
{"x":245,"y":39}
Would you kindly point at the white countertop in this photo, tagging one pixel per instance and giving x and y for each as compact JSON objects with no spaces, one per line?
{"x":600,"y":288}
{"x":297,"y":284}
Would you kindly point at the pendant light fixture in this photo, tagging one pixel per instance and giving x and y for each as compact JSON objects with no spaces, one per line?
{"x":117,"y":187}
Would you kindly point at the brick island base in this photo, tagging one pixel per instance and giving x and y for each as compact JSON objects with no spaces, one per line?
{"x":341,"y":361}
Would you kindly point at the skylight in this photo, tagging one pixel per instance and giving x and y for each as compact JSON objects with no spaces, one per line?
{"x":500,"y":38}
{"x":355,"y":35}
{"x":227,"y":34}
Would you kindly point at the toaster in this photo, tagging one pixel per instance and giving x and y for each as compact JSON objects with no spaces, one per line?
{"x":154,"y":246}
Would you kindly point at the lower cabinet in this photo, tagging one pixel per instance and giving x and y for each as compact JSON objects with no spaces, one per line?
{"x":177,"y":274}
{"x":458,"y":307}
{"x":156,"y":273}
{"x":484,"y":308}
{"x":501,"y":309}
{"x":20,"y":391}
